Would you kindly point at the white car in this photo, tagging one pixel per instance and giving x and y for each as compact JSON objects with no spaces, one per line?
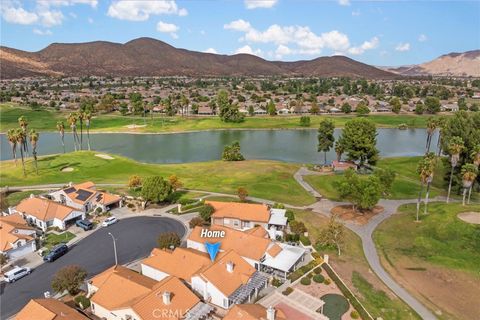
{"x":109,"y":221}
{"x":17,"y":273}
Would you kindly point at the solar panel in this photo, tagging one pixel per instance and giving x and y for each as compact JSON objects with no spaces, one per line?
{"x":70,"y":190}
{"x":83,"y":195}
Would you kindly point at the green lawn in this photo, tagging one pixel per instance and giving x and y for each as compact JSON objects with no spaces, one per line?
{"x":441,"y":238}
{"x":264,"y":179}
{"x":53,"y":239}
{"x":46,"y":119}
{"x":15,"y":197}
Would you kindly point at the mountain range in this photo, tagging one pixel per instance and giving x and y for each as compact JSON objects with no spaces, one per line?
{"x":151,"y":57}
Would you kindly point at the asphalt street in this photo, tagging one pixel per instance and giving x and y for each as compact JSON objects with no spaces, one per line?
{"x":135,"y":238}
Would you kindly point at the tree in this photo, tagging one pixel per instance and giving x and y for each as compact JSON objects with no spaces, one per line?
{"x":21,"y":138}
{"x":346,"y":108}
{"x":325,"y":137}
{"x":298,"y":227}
{"x":396,"y":105}
{"x":196,"y":222}
{"x":156,"y":189}
{"x":431,"y":163}
{"x":432,"y":105}
{"x":431,"y":127}
{"x":314,"y":109}
{"x":305,"y":121}
{"x":12,"y":140}
{"x":72,"y":120}
{"x":386,"y":177}
{"x":469,"y":174}
{"x":3,"y":201}
{"x":3,"y":260}
{"x":339,"y":150}
{"x":134,"y":182}
{"x":419,"y":107}
{"x":34,"y":136}
{"x":251,"y":110}
{"x":363,"y":193}
{"x":87,"y":116}
{"x":425,"y":171}
{"x":455,"y":147}
{"x":359,"y":139}
{"x":227,"y":111}
{"x":362,"y":109}
{"x":69,"y":279}
{"x":175,"y":182}
{"x":61,"y":131}
{"x":22,"y":121}
{"x":232,"y":152}
{"x":242,"y":193}
{"x":333,"y":235}
{"x":167,"y":240}
{"x":206,"y":212}
{"x":271,"y":110}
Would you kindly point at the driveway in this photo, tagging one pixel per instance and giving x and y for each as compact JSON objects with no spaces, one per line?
{"x":136,"y":237}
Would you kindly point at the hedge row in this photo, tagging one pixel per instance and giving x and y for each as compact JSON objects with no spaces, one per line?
{"x":346,"y":292}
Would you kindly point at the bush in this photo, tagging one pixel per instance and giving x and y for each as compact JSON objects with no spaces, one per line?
{"x":318,"y":278}
{"x":168,"y":239}
{"x":327,"y":281}
{"x":287,"y":291}
{"x":318,"y":270}
{"x":298,"y":227}
{"x":290,"y":216}
{"x":69,"y":278}
{"x":185,"y":201}
{"x":306,"y":281}
{"x":134,"y":182}
{"x":354,"y":314}
{"x":206,"y":212}
{"x":276,"y":282}
{"x":305,"y":241}
{"x":82,"y":302}
{"x":196,"y":222}
{"x":316,"y":255}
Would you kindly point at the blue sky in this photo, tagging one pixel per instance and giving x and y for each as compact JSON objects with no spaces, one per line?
{"x":375,"y":32}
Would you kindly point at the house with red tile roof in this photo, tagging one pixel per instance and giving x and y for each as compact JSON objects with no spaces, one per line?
{"x":48,"y":309}
{"x":17,"y":238}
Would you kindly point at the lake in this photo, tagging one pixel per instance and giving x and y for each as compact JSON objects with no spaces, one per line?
{"x":284,"y":145}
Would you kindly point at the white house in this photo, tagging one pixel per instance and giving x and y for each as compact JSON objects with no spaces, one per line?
{"x":17,"y":238}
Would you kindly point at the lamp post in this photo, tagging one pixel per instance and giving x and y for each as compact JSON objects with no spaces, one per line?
{"x":114,"y":248}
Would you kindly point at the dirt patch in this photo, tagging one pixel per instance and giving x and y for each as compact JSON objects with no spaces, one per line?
{"x":346,"y":213}
{"x":104,"y":156}
{"x":454,"y":292}
{"x":67,"y":169}
{"x":470,"y":217}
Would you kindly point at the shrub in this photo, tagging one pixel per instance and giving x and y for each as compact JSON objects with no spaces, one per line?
{"x":327,"y":281}
{"x":354,"y":314}
{"x":316,"y":255}
{"x":242,"y":194}
{"x":206,"y":212}
{"x":318,"y":278}
{"x":290,"y":216}
{"x":197,"y":221}
{"x":82,"y":302}
{"x":276,"y":282}
{"x":69,"y":279}
{"x":298,"y":227}
{"x":318,"y":270}
{"x":305,"y":241}
{"x":185,"y":201}
{"x":306,"y":281}
{"x":287,"y":291}
{"x":168,"y":239}
{"x":134,"y":181}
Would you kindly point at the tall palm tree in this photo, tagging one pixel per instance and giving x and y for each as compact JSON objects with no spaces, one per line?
{"x":80,"y":117}
{"x":61,"y":130}
{"x":72,"y":119}
{"x":431,"y":126}
{"x":440,"y":125}
{"x":339,"y":150}
{"x":431,"y":163}
{"x":12,"y":140}
{"x":21,"y":137}
{"x":425,"y":173}
{"x":22,"y":121}
{"x":455,"y":147}
{"x":469,"y":174}
{"x":475,"y":155}
{"x":87,"y":116}
{"x":33,"y":135}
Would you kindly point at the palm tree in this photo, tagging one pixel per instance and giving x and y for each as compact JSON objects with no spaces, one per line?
{"x":22,"y":121}
{"x":431,"y":126}
{"x":33,"y":141}
{"x":440,"y":125}
{"x":72,"y":119}
{"x":339,"y":150}
{"x":425,"y":173}
{"x":431,"y":161}
{"x":476,"y":162}
{"x":61,"y":130}
{"x":88,"y":117}
{"x":455,"y":147}
{"x":21,"y":137}
{"x":80,"y":116}
{"x":469,"y":174}
{"x":12,"y":140}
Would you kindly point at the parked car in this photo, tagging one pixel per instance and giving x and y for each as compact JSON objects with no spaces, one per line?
{"x":84,"y":224}
{"x":109,"y":221}
{"x":56,"y":252}
{"x":16,"y":273}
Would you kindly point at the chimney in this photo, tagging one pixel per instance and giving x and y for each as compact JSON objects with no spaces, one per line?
{"x":230,"y":266}
{"x":270,"y":313}
{"x":166,"y":298}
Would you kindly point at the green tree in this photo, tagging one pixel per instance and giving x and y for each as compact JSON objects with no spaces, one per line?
{"x":363,"y":192}
{"x":346,"y":108}
{"x":167,"y":240}
{"x":359,"y":139}
{"x":425,"y":170}
{"x":396,"y":105}
{"x":34,"y":136}
{"x":419,"y":108}
{"x":333,"y":235}
{"x":432,"y":105}
{"x":325,"y":137}
{"x":305,"y":121}
{"x":227,"y":111}
{"x":469,"y":174}
{"x":242,"y":193}
{"x":298,"y":227}
{"x":156,"y":189}
{"x":454,"y":148}
{"x":206,"y":212}
{"x":251,"y":110}
{"x":271,"y":108}
{"x":232,"y":152}
{"x":69,"y":279}
{"x":386,"y":177}
{"x":362,"y":109}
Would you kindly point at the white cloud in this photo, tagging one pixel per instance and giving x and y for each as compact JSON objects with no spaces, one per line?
{"x":238,"y":25}
{"x":248,"y":50}
{"x":58,"y":3}
{"x":141,"y":10}
{"x":422,"y":38}
{"x":367,"y":45}
{"x":18,"y":15}
{"x":356,"y":13}
{"x":73,"y":15}
{"x":211,"y":50}
{"x":50,"y":18}
{"x":281,"y":51}
{"x":344,"y":2}
{"x":403,"y":47}
{"x":253,"y":4}
{"x":90,"y":20}
{"x":42,"y":32}
{"x":168,"y":28}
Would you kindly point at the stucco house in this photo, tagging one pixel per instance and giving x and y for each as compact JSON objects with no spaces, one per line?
{"x":17,"y":238}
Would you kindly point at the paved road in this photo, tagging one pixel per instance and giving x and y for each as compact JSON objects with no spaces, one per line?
{"x":135,"y":239}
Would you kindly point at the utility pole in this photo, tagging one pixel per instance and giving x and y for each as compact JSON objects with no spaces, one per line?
{"x":114,"y":249}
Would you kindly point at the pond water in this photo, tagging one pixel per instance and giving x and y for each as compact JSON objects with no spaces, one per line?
{"x":284,"y":145}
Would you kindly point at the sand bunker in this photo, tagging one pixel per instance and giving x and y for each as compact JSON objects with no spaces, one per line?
{"x":470,"y":217}
{"x":67,"y":169}
{"x":135,"y":126}
{"x":104,"y":156}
